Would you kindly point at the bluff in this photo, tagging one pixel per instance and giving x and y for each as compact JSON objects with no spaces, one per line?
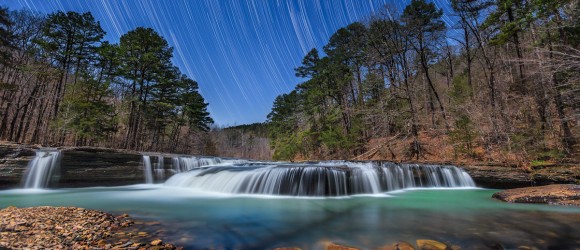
{"x":79,"y":166}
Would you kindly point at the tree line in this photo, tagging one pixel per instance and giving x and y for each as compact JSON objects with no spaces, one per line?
{"x":502,"y":81}
{"x":61,"y":83}
{"x":248,"y":141}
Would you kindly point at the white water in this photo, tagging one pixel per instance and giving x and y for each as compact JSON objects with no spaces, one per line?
{"x":335,"y":178}
{"x":155,"y":172}
{"x":40,"y":169}
{"x":159,"y":168}
{"x":147,"y":171}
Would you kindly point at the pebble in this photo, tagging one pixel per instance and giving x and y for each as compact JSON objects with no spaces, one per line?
{"x":67,"y":228}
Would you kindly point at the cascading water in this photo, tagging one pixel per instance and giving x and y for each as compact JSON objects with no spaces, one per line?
{"x":40,"y":170}
{"x":186,"y":163}
{"x":320,"y":179}
{"x":155,"y":172}
{"x":159,"y":168}
{"x":147,"y":171}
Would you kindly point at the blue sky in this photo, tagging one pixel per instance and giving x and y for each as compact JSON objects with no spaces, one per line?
{"x":242,"y":53}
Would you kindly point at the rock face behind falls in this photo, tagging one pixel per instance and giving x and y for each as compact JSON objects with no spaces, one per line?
{"x":79,"y":166}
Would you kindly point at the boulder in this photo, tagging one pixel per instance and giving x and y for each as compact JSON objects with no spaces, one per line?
{"x":431,"y":245}
{"x":401,"y":245}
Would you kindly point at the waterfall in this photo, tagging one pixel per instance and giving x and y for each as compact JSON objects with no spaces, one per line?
{"x":147,"y":171}
{"x":40,"y":170}
{"x":156,"y":172}
{"x":159,"y":168}
{"x":187,"y":163}
{"x":320,"y":179}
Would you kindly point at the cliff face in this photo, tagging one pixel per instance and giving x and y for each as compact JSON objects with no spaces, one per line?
{"x":79,"y":166}
{"x":13,"y":161}
{"x":502,"y":177}
{"x":86,"y":166}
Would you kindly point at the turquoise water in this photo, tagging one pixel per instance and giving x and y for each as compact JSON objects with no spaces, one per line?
{"x":465,"y":217}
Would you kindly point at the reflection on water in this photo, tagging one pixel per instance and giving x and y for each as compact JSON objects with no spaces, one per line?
{"x":464,"y":217}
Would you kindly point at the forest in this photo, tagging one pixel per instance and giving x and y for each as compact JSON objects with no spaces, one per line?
{"x":501,"y":83}
{"x":493,"y":81}
{"x":62,"y":84}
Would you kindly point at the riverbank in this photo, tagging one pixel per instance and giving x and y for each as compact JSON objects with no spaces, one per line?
{"x":72,"y":228}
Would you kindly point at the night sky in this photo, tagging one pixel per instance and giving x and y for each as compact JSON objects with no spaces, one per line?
{"x":242,"y":53}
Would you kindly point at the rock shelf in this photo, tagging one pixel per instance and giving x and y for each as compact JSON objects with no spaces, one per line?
{"x":561,"y":194}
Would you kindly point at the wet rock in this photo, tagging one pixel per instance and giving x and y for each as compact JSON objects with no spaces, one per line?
{"x":526,"y":248}
{"x":455,"y":247}
{"x":156,"y":242}
{"x":431,"y":245}
{"x":401,"y":245}
{"x":560,"y":194}
{"x":503,"y":176}
{"x":287,"y":248}
{"x":333,"y":246}
{"x":497,"y":176}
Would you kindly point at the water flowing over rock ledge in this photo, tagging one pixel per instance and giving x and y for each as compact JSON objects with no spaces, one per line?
{"x":90,"y":166}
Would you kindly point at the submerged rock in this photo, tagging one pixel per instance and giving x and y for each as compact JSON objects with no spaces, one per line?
{"x":431,"y":245}
{"x":561,"y":194}
{"x":401,"y":245}
{"x":333,"y":246}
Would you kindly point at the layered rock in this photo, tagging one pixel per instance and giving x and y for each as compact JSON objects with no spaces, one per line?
{"x":88,"y":166}
{"x":503,"y":177}
{"x":13,"y":161}
{"x":561,"y":194}
{"x":79,"y":166}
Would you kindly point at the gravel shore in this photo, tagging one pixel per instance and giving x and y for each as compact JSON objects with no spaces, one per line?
{"x":71,"y":228}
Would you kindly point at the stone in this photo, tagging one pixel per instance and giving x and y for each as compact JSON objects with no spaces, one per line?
{"x":287,"y":248}
{"x":431,"y":245}
{"x":105,"y":224}
{"x":333,"y":246}
{"x":558,"y":194}
{"x":101,"y":243}
{"x":63,"y":228}
{"x":156,"y":242}
{"x":401,"y":245}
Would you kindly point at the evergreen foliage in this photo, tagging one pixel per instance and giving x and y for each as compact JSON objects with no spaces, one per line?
{"x":502,"y":79}
{"x":66,"y":86}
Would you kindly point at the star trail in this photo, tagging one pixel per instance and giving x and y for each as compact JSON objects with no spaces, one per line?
{"x":242,"y":53}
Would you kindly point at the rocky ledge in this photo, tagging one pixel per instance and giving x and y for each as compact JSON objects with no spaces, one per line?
{"x":71,"y":228}
{"x":91,"y":166}
{"x":504,"y":176}
{"x":562,"y":194}
{"x":79,"y":166}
